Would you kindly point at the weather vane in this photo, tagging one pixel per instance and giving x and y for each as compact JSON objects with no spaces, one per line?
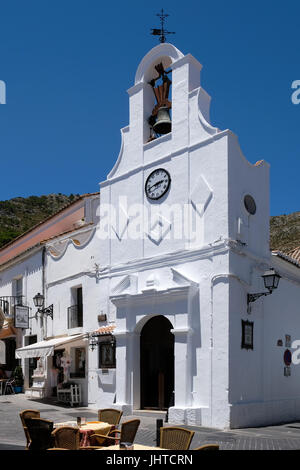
{"x":162,"y":31}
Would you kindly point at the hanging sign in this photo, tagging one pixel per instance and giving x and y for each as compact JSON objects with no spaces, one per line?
{"x":21,"y":316}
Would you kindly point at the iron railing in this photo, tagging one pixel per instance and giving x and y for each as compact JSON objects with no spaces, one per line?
{"x":8,"y":303}
{"x":75,"y":316}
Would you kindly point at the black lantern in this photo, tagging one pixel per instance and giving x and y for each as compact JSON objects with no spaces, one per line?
{"x":271,"y":281}
{"x":38,"y":301}
{"x":93,"y":342}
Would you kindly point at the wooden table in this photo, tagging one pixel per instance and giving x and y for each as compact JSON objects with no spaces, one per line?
{"x":135,"y":447}
{"x":86,"y":430}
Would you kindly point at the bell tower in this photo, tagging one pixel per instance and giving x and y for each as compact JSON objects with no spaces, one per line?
{"x":183,"y":214}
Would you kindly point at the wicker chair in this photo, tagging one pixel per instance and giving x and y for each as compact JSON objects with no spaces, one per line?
{"x":57,"y":448}
{"x":39,"y":431}
{"x":208,"y":447}
{"x":175,"y":438}
{"x":110,"y":416}
{"x":28,"y":414}
{"x":66,"y":437}
{"x":126,"y":434}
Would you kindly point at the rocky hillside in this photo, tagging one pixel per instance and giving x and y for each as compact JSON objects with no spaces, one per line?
{"x":285,"y":232}
{"x":20,"y":214}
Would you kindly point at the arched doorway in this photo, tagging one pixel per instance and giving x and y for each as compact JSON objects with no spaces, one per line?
{"x":157,"y":364}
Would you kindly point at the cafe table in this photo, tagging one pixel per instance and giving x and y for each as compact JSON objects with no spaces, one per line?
{"x":135,"y":447}
{"x":87,"y":429}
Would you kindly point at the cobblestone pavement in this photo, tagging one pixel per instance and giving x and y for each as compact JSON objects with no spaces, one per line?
{"x":280,"y":437}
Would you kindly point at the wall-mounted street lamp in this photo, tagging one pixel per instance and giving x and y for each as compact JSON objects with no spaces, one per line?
{"x":93,"y":341}
{"x":271,"y":281}
{"x":38,"y":301}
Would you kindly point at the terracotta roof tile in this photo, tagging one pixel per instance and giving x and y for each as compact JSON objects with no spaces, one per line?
{"x":104,"y":330}
{"x":295,"y":254}
{"x":66,"y":206}
{"x":287,"y":257}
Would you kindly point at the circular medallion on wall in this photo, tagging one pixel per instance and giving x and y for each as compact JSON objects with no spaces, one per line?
{"x":250,"y":204}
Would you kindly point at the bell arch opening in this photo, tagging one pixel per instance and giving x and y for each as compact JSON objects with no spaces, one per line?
{"x":157,"y":364}
{"x":158,"y":101}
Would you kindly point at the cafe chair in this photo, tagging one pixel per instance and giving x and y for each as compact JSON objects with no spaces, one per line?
{"x":208,"y":447}
{"x":66,"y":437}
{"x":110,"y":416}
{"x":126,"y":434}
{"x":175,"y":438}
{"x":28,"y":414}
{"x":9,"y":386}
{"x":57,"y":448}
{"x":39,"y":431}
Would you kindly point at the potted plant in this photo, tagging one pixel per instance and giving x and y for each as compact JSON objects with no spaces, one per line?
{"x":19,"y":379}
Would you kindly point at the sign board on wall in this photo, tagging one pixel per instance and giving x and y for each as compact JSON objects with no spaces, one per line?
{"x":21,"y":316}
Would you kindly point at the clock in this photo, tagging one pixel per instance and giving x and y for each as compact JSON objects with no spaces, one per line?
{"x":157,"y":184}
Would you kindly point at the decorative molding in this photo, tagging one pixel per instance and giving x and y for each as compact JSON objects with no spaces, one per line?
{"x":128,"y":282}
{"x":175,"y":153}
{"x":201,"y":195}
{"x":182,"y":331}
{"x":165,"y":52}
{"x":79,"y":240}
{"x":182,"y":280}
{"x":151,"y":283}
{"x":123,"y":131}
{"x":122,"y":224}
{"x":159,"y":229}
{"x":152,"y":295}
{"x":183,"y":256}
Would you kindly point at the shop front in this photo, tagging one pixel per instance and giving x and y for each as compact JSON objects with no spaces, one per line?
{"x":59,"y":362}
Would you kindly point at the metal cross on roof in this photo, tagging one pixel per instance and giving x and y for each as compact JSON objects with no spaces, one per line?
{"x":162,"y":31}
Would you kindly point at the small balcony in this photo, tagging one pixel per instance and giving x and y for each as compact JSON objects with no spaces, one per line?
{"x":8,"y":303}
{"x":75,"y":317}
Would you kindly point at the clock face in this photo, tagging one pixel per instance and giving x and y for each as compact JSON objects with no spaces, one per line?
{"x":157,"y":183}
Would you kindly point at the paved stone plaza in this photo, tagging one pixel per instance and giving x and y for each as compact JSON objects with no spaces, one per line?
{"x":280,"y":437}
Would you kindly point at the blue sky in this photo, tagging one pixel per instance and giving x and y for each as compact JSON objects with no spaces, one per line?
{"x":67,"y":65}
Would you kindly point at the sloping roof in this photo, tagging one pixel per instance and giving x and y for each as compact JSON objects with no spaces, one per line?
{"x":287,"y":257}
{"x":295,"y":254}
{"x":44,"y":242}
{"x":77,"y":229}
{"x":79,"y":198}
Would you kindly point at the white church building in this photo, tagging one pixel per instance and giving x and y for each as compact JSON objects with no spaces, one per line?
{"x":167,"y":265}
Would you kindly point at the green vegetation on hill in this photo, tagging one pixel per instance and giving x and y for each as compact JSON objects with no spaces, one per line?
{"x":285,"y":232}
{"x":20,"y":214}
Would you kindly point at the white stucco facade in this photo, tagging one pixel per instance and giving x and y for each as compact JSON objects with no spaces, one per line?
{"x":201,"y":252}
{"x":199,"y":285}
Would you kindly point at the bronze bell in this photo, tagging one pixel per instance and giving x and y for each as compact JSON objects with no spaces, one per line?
{"x":163,"y":123}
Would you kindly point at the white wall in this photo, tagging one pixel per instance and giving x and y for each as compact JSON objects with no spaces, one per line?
{"x":260,"y":394}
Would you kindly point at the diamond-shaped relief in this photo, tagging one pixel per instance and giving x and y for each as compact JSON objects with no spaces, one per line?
{"x":122,"y":223}
{"x":201,"y":195}
{"x":159,"y":229}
